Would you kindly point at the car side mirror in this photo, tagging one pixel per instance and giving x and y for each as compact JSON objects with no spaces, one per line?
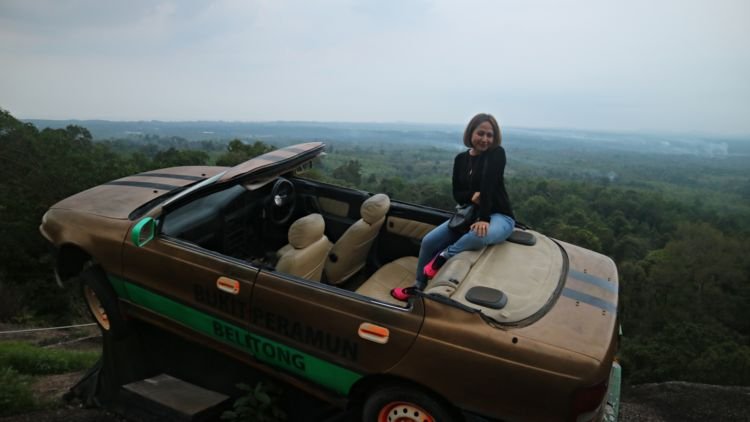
{"x":143,"y":232}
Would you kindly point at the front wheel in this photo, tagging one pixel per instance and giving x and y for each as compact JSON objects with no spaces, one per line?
{"x":396,"y":403}
{"x":101,"y":301}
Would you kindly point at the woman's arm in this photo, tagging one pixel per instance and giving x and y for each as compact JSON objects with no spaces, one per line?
{"x":492,"y":176}
{"x":461,"y":189}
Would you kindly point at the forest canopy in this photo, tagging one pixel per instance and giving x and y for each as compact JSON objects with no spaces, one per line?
{"x":676,"y":225}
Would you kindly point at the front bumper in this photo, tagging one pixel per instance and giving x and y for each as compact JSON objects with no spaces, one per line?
{"x":612,"y":406}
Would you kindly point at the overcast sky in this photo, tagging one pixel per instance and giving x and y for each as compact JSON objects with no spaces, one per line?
{"x":663,"y":65}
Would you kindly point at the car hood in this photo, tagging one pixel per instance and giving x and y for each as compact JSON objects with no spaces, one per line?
{"x":119,"y":198}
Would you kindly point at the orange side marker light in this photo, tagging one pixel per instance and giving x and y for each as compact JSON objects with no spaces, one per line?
{"x":374,"y":333}
{"x":228,"y":285}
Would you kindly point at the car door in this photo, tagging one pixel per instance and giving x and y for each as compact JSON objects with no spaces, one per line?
{"x":171,"y":278}
{"x":404,"y":229}
{"x":181,"y":284}
{"x":325,"y":334}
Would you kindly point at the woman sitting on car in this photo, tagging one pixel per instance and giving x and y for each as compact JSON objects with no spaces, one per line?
{"x":478,"y":178}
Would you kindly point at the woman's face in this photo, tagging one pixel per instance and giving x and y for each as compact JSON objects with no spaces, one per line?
{"x":482,"y":137}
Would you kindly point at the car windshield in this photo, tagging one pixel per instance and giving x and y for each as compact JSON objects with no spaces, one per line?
{"x":211,"y":180}
{"x":172,"y":196}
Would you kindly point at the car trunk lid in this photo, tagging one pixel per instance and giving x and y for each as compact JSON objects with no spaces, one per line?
{"x":583,"y":319}
{"x":275,"y":162}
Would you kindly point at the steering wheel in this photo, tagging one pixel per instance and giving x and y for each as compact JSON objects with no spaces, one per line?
{"x":283,"y":198}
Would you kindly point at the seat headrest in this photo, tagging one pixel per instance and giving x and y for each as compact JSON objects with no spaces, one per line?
{"x":375,"y":208}
{"x":306,"y":231}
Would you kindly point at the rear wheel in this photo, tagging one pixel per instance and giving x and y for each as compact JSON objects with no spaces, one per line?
{"x":101,"y":301}
{"x":397,"y":403}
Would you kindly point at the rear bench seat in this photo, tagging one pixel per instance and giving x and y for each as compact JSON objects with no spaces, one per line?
{"x":398,"y":273}
{"x":528,"y":274}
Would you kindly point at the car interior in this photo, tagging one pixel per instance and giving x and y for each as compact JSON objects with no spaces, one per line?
{"x":307,"y":229}
{"x":362,"y":242}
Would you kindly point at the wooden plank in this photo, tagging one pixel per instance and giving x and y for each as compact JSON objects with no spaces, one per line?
{"x":190,"y":402}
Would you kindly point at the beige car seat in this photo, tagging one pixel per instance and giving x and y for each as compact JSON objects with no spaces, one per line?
{"x":349,"y":253}
{"x":306,"y":252}
{"x":399,"y":273}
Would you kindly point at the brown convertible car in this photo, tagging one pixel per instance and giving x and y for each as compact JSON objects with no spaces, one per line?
{"x":292,"y":276}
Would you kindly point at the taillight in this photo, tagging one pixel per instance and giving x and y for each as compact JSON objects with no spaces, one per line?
{"x":586,"y":401}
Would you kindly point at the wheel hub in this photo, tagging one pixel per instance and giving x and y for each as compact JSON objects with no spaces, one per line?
{"x":404,"y":412}
{"x":95,"y":305}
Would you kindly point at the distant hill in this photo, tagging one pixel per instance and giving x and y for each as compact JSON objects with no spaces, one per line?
{"x":211,"y":130}
{"x":447,"y":136}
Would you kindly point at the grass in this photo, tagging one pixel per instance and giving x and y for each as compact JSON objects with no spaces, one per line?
{"x":33,"y":360}
{"x":15,"y":392}
{"x":22,"y":363}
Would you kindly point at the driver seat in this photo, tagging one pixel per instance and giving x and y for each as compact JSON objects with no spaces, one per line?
{"x":307,"y":249}
{"x":349,"y":253}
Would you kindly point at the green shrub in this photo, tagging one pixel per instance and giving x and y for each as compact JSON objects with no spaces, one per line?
{"x":15,"y":393}
{"x":260,"y":404}
{"x":684,"y":351}
{"x":33,"y":360}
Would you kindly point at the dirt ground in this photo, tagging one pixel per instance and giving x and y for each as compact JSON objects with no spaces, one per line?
{"x":50,"y":389}
{"x":684,"y":402}
{"x":664,"y":402}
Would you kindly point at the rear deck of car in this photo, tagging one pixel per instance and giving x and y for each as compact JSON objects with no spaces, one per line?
{"x":528,"y":275}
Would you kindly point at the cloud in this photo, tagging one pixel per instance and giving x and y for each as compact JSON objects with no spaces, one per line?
{"x":670,"y":65}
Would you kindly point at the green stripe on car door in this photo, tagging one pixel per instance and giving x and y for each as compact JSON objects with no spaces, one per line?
{"x":332,"y":376}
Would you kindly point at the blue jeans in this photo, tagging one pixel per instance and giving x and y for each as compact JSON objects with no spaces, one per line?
{"x":442,"y":238}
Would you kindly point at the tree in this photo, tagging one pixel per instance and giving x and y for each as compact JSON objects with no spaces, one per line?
{"x":393,"y":187}
{"x":578,"y":236}
{"x":174,"y":157}
{"x":536,"y":210}
{"x":239,"y":152}
{"x":39,"y":169}
{"x":349,"y":172}
{"x":700,"y":267}
{"x":630,"y":247}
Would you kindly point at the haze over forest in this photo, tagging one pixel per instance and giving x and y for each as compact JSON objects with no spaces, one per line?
{"x":443,"y":135}
{"x":672,"y":211}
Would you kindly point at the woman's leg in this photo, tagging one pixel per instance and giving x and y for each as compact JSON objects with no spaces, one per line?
{"x":501,"y":226}
{"x":433,"y":242}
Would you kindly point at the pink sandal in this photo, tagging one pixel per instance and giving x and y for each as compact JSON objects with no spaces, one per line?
{"x":400,"y":293}
{"x":432,"y":267}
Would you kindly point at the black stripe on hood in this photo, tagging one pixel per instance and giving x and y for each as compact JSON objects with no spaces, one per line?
{"x":148,"y":185}
{"x":170,"y":176}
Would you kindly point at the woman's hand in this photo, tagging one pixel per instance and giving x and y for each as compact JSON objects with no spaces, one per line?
{"x":480,"y":228}
{"x":475,"y":198}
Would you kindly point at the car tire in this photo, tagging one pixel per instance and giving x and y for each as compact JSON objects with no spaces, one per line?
{"x":102,"y":303}
{"x":400,"y":403}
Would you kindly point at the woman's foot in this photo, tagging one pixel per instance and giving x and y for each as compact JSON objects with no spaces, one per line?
{"x":432,"y":267}
{"x":401,"y":293}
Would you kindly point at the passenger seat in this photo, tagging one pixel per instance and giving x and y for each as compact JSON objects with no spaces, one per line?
{"x":349,"y":253}
{"x":306,"y":252}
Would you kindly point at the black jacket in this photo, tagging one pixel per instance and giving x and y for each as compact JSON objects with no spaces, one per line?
{"x":484,"y":174}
